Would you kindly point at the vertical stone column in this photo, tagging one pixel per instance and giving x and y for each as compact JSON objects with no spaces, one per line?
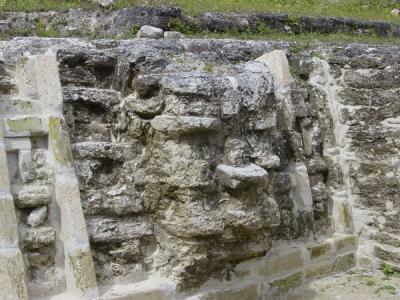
{"x":79,"y":270}
{"x":12,"y":270}
{"x":279,"y":67}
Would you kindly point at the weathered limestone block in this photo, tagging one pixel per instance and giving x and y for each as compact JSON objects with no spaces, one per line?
{"x":302,"y":195}
{"x":101,"y":150}
{"x":278,"y":65}
{"x":80,"y":276}
{"x":150,"y":32}
{"x":188,"y":84}
{"x":12,"y":276}
{"x":148,"y":85}
{"x":184,"y":124}
{"x":146,"y":108}
{"x":112,"y":202}
{"x":287,"y":283}
{"x":237,"y":177}
{"x":107,"y":229}
{"x":319,"y":269}
{"x":25,"y":126}
{"x":248,"y":291}
{"x":37,"y":216}
{"x":15,"y":144}
{"x":345,"y":242}
{"x":59,"y":141}
{"x":192,"y":220}
{"x":15,"y":106}
{"x":281,"y":260}
{"x":32,"y":196}
{"x":319,"y":250}
{"x":38,"y":237}
{"x":104,"y":98}
{"x":8,"y":221}
{"x":152,"y":289}
{"x":344,"y":262}
{"x":170,"y":159}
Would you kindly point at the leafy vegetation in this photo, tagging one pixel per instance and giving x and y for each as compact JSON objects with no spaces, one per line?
{"x":363,"y":9}
{"x":386,"y":287}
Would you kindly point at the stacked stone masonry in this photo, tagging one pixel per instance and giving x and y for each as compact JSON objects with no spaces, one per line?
{"x":194,"y":169}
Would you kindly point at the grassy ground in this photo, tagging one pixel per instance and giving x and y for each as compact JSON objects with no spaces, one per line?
{"x":362,"y":9}
{"x":304,"y":39}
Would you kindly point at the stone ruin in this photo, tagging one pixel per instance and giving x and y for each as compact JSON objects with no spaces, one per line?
{"x":194,"y":169}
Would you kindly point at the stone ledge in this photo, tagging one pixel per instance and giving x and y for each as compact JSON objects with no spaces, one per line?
{"x":116,"y":23}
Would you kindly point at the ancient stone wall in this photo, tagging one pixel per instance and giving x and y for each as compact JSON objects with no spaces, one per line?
{"x":203,"y":169}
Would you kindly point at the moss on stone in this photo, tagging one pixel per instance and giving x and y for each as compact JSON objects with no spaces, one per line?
{"x":82,"y":266}
{"x":33,"y":125}
{"x":59,"y":141}
{"x":317,"y":251}
{"x":346,"y":242}
{"x":344,"y":262}
{"x":284,"y":285}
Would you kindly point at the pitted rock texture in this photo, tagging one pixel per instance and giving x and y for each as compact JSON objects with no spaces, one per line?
{"x":192,"y":158}
{"x":183,"y":167}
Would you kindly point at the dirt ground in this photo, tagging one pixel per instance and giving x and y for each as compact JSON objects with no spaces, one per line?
{"x":357,"y":284}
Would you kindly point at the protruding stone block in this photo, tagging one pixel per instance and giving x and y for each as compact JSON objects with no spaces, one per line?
{"x":285,"y":284}
{"x":107,"y":229}
{"x":317,"y":251}
{"x":35,"y":238}
{"x":185,"y":124}
{"x":344,"y":262}
{"x":18,"y":143}
{"x":150,"y":32}
{"x":278,"y":65}
{"x":32,"y":196}
{"x":37,"y":216}
{"x":318,"y":269}
{"x":25,"y":126}
{"x":345,"y":242}
{"x":235,"y":177}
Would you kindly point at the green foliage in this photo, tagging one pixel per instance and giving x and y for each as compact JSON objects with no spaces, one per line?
{"x":370,"y":282}
{"x":46,"y":31}
{"x":386,"y":287}
{"x":131,"y":33}
{"x":208,"y":68}
{"x":176,"y":24}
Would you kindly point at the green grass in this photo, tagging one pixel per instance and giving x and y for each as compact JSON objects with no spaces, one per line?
{"x":362,"y":9}
{"x":303,"y":40}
